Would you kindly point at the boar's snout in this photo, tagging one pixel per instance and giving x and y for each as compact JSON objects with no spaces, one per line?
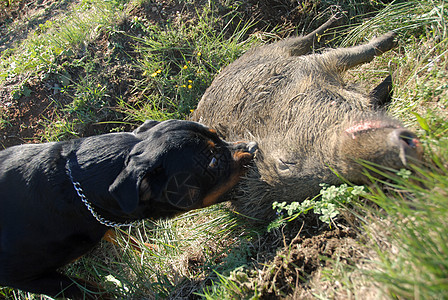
{"x":408,"y":144}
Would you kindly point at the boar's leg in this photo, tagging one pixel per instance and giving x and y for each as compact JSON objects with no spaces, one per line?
{"x":382,"y":94}
{"x":304,"y":44}
{"x":347,"y":58}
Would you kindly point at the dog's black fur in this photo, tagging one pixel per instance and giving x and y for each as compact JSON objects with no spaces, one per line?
{"x":159,"y":170}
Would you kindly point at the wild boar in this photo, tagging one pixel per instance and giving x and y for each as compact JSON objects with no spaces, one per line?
{"x":311,"y":127}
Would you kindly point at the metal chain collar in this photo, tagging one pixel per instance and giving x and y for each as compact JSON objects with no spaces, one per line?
{"x":86,"y":202}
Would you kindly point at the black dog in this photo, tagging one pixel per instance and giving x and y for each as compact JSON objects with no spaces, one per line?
{"x":59,"y":199}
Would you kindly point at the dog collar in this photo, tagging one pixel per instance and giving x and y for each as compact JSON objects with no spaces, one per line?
{"x":89,"y":206}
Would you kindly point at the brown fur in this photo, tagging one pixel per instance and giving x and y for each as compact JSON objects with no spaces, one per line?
{"x":307,"y":121}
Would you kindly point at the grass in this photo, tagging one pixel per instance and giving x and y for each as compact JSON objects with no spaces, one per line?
{"x":212,"y":253}
{"x":418,"y":265}
{"x":179,"y":62}
{"x":38,"y":53}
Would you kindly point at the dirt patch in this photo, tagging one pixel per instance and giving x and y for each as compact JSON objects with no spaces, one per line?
{"x":295,"y":272}
{"x":24,"y":117}
{"x":295,"y":265}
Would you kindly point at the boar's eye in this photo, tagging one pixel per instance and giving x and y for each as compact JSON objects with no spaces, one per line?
{"x":213,"y":163}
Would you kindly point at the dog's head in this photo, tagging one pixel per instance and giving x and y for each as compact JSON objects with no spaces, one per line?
{"x":178,"y":166}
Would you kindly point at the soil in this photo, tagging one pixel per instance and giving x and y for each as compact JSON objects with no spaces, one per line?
{"x":294,"y":266}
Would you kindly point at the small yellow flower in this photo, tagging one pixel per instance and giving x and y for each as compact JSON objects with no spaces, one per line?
{"x":185,"y":67}
{"x":184,"y":86}
{"x":191,"y":110}
{"x":199,"y":53}
{"x":190,"y":86}
{"x":190,"y":81}
{"x":155,"y":73}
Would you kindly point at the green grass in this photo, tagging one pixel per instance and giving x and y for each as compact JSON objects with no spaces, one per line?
{"x":39,"y":53}
{"x":180,"y":61}
{"x":417,"y":235}
{"x":182,"y":253}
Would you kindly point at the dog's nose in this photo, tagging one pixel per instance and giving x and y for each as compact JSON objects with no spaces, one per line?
{"x":244,"y":152}
{"x":252,"y":147}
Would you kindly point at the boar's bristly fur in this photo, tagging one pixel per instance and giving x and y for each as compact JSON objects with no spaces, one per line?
{"x":310,"y":125}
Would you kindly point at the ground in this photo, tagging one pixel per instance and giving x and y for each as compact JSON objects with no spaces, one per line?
{"x":296,"y":259}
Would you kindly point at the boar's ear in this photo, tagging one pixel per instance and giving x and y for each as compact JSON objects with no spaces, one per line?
{"x":145,"y":126}
{"x":382,"y":94}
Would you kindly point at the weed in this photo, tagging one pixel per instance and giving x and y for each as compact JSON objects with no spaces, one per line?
{"x":20,"y":90}
{"x":151,"y":108}
{"x":58,"y":130}
{"x":4,"y":118}
{"x":327,"y":204}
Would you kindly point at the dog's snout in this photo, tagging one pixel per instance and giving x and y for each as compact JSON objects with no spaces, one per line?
{"x":244,"y":152}
{"x":252,"y":147}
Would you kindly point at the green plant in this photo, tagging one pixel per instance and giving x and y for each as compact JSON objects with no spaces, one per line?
{"x":59,"y":129}
{"x":410,"y":18}
{"x":327,"y":204}
{"x":151,"y":108}
{"x":4,"y":119}
{"x":238,"y":285}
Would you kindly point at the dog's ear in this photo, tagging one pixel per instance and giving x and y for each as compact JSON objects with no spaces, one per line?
{"x":126,"y":187}
{"x":145,"y":126}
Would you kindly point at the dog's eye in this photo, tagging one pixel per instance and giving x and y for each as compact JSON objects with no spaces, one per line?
{"x":213,"y":163}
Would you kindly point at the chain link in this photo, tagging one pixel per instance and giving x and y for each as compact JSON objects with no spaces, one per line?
{"x":86,"y":202}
